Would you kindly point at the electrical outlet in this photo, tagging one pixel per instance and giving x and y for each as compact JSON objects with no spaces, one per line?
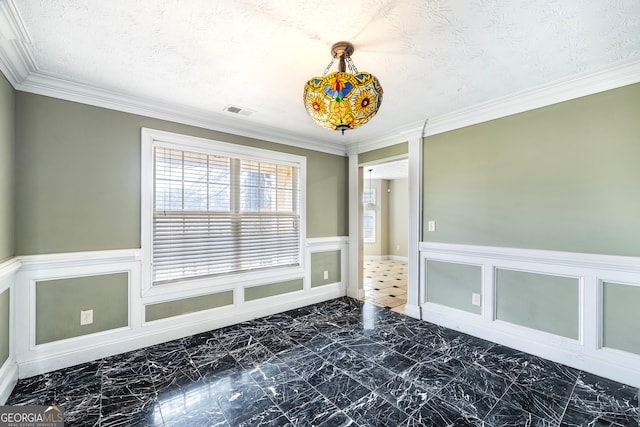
{"x":397,"y":247}
{"x":475,"y":299}
{"x":86,"y":317}
{"x":431,"y":225}
{"x":326,"y":275}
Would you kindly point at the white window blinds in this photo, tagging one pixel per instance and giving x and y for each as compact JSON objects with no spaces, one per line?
{"x":216,"y":215}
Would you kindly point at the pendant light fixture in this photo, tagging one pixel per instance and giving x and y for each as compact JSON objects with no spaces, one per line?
{"x":342,"y":100}
{"x":370,"y":205}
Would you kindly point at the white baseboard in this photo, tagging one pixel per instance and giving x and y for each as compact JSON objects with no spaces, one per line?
{"x":412,"y":311}
{"x":31,"y":358}
{"x":586,"y":352}
{"x":8,"y":379}
{"x":619,"y":366}
{"x":355,"y":293}
{"x":84,"y":349}
{"x":385,"y":257}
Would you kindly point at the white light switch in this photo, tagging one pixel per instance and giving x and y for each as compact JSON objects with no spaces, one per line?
{"x":431,"y":225}
{"x":475,"y":299}
{"x":326,"y":275}
{"x":86,"y":317}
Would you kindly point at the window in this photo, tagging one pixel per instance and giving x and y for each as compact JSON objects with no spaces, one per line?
{"x":218,"y":209}
{"x":369,"y":215}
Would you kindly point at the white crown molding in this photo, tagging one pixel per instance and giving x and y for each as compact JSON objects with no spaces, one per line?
{"x":20,"y":69}
{"x":396,"y":136}
{"x":18,"y":65}
{"x":16,"y":60}
{"x":562,"y":90}
{"x":574,"y":87}
{"x":45,"y":84}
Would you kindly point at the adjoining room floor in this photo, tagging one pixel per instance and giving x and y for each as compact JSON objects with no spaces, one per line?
{"x":385,"y":284}
{"x":337,"y":363}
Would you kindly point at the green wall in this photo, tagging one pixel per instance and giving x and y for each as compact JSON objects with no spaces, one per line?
{"x":539,"y":301}
{"x":77,"y":179}
{"x":264,"y":291}
{"x":7,"y":100}
{"x":399,"y":217}
{"x":384,"y":153}
{"x":325,"y":261}
{"x":59,"y":302}
{"x":187,"y":305}
{"x":452,"y":284}
{"x":563,"y":177}
{"x":620,"y":326}
{"x":4,"y":326}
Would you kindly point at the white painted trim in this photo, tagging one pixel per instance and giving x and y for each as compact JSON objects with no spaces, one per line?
{"x":55,"y":86}
{"x":386,"y":257}
{"x":9,"y":370}
{"x":207,"y":285}
{"x":69,"y":259}
{"x":8,"y":270}
{"x":591,"y":270}
{"x":168,"y":329}
{"x":151,"y":138}
{"x":572,"y":259}
{"x":573,"y":87}
{"x":327,"y":244}
{"x":25,"y":294}
{"x":18,"y":65}
{"x":337,"y":242}
{"x":32,"y":359}
{"x":412,"y":310}
{"x":16,"y":60}
{"x":8,"y":379}
{"x":384,"y":160}
{"x":375,"y":257}
{"x":354,"y":283}
{"x":414,"y":293}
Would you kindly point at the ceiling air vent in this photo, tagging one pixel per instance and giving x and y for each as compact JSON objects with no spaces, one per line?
{"x":238,"y":110}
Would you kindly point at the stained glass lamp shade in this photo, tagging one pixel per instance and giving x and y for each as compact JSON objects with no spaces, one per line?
{"x":343,"y":100}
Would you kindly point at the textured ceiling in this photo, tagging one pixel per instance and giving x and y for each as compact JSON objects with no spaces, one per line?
{"x":431,"y":57}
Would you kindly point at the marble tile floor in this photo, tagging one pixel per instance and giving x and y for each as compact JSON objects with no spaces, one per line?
{"x":385,"y":283}
{"x":337,"y":363}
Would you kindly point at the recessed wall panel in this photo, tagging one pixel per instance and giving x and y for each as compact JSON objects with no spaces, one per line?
{"x":539,"y":301}
{"x":328,"y":261}
{"x":452,"y":284}
{"x":620,"y":324}
{"x":59,"y":302}
{"x":264,"y":291}
{"x":187,"y":305}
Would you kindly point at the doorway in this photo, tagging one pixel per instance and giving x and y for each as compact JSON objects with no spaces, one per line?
{"x":384,"y":231}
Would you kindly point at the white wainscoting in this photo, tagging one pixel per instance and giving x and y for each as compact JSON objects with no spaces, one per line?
{"x":9,"y":369}
{"x":29,"y":358}
{"x":585,"y":353}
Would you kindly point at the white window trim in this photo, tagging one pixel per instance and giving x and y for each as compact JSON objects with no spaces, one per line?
{"x":151,"y":138}
{"x":375,"y":215}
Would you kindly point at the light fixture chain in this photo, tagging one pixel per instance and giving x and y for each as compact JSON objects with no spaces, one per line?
{"x":326,"y":70}
{"x":351,"y":65}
